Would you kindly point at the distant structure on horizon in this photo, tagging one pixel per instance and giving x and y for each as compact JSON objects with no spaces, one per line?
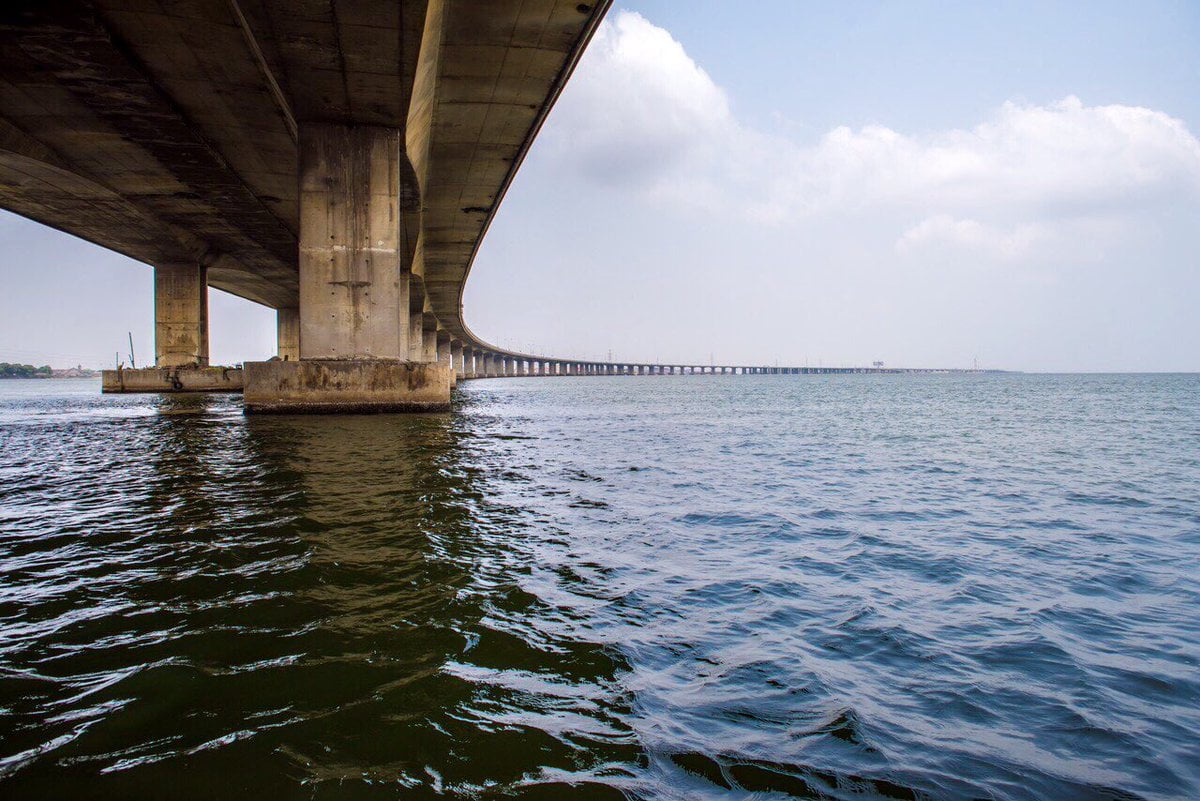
{"x":12,"y":370}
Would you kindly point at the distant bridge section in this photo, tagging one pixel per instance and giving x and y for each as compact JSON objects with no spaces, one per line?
{"x":499,"y":366}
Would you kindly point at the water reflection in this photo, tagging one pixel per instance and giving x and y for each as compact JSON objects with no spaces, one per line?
{"x":290,"y":606}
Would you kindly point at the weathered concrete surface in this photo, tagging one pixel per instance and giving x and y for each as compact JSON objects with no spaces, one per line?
{"x":180,"y":315}
{"x":458,"y":360}
{"x":351,"y":303}
{"x":416,"y":338}
{"x":287,"y":334}
{"x":429,"y":339}
{"x":172,"y":379}
{"x":325,"y":386}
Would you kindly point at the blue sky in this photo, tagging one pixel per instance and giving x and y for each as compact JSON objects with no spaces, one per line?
{"x":922,"y":183}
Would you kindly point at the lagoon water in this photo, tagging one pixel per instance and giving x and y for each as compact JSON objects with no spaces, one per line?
{"x":867,"y":587}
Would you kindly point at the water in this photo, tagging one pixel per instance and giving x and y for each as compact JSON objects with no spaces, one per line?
{"x":592,"y":588}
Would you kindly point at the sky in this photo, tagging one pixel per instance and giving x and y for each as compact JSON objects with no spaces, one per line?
{"x":931,"y":184}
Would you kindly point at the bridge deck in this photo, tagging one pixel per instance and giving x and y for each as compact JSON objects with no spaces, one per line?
{"x":166,"y":130}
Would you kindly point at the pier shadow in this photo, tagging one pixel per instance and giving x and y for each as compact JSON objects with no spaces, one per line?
{"x":310,"y":609}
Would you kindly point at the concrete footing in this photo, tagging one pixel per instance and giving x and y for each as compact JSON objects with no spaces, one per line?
{"x":346,"y":386}
{"x":172,"y":379}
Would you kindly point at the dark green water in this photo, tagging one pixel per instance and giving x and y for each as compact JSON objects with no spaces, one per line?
{"x":658,"y":587}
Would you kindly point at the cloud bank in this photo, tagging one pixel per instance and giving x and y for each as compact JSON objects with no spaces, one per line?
{"x":1031,"y":179}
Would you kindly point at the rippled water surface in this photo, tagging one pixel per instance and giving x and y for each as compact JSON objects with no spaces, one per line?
{"x":669,"y":587}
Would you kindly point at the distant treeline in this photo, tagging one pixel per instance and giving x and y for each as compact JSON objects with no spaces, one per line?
{"x":23,"y":371}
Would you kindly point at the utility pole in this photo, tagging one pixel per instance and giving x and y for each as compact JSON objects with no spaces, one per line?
{"x":132,"y":363}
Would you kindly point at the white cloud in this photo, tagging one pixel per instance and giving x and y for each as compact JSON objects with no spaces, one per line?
{"x":641,"y":113}
{"x":944,"y":230}
{"x":638,"y":106}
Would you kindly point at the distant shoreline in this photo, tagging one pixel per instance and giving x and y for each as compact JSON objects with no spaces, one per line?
{"x":90,"y":374}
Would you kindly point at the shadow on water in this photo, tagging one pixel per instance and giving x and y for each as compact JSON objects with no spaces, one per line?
{"x":290,"y":607}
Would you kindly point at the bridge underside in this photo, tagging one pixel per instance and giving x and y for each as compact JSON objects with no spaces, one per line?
{"x":337,"y":160}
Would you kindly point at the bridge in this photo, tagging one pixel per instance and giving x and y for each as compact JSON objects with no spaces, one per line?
{"x":336,"y":160}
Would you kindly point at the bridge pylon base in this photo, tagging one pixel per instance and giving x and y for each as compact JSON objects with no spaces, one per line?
{"x":188,"y":378}
{"x":346,"y":386}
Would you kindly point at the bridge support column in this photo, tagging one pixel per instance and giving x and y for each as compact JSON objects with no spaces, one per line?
{"x":180,"y":315}
{"x":442,"y":340}
{"x":287,"y":334}
{"x":180,"y":339}
{"x":354,"y":299}
{"x":416,"y":337}
{"x":457,"y":360}
{"x":429,"y":338}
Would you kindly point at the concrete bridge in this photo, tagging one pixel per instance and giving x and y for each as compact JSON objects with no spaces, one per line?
{"x":336,"y":160}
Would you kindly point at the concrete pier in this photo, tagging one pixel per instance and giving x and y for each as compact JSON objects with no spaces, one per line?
{"x":287,"y":334}
{"x":416,"y":335}
{"x":354,"y":297}
{"x":444,"y":355}
{"x":458,"y":360}
{"x":187,"y":378}
{"x":180,"y":340}
{"x":341,"y":386}
{"x":429,"y":338}
{"x":180,"y":315}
